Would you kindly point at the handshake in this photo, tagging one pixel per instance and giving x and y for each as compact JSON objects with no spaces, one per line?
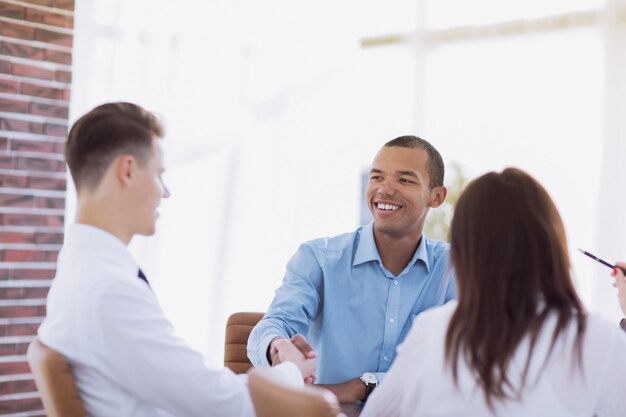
{"x":296,"y":350}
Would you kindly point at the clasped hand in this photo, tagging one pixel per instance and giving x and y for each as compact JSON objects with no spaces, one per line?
{"x":296,"y":350}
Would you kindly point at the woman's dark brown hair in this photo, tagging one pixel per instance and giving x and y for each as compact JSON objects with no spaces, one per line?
{"x":509,"y":250}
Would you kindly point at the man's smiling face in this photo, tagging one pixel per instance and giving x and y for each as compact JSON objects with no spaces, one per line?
{"x":398,"y":191}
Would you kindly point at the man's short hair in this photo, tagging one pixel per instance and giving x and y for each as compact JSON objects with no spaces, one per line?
{"x":436,"y":169}
{"x":106,"y":132}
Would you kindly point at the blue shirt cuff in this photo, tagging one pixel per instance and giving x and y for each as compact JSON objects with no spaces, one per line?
{"x":263,"y":347}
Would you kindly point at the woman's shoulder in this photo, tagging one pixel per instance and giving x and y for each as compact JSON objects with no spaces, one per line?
{"x":439,"y":313}
{"x":603,"y":332}
{"x":597,"y":324}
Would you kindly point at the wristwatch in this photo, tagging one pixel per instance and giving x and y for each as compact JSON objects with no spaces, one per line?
{"x":371,"y":381}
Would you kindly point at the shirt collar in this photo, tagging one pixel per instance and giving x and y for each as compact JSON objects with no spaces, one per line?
{"x":367,"y":251}
{"x":102,"y":243}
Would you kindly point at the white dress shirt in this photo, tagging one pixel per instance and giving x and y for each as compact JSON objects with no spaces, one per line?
{"x":124,"y":354}
{"x":420,"y":384}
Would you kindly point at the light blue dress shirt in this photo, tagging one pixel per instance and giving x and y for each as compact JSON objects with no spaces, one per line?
{"x":355,"y":312}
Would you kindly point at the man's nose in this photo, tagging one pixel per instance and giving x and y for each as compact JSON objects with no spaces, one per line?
{"x":386,"y":188}
{"x":166,"y":192}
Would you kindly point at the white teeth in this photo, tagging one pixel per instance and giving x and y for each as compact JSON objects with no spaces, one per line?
{"x":390,"y":207}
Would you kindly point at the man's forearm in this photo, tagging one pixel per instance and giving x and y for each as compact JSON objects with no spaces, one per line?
{"x":349,"y":391}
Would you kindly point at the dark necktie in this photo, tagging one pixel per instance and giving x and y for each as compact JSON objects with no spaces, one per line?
{"x":142,"y":276}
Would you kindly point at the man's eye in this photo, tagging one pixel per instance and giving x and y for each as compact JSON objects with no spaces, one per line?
{"x":406,"y":181}
{"x":375,"y":177}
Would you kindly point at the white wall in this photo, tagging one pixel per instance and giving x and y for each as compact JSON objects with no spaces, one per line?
{"x":273,"y":110}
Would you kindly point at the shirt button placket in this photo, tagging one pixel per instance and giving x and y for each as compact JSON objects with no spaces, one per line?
{"x":391,"y":332}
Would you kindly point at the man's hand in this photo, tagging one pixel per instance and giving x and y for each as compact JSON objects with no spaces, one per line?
{"x":299,"y":341}
{"x":307,"y":350}
{"x":272,"y":352}
{"x":304,"y":346}
{"x":283,"y":350}
{"x":350,"y":391}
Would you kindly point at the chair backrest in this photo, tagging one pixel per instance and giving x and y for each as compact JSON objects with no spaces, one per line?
{"x":274,"y":399}
{"x":238,"y":328}
{"x":54,"y":381}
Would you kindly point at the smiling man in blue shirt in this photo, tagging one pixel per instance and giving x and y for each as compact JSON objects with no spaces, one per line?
{"x":354,"y":296}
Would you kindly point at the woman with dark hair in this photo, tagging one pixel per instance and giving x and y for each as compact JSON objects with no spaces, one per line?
{"x":518,"y":341}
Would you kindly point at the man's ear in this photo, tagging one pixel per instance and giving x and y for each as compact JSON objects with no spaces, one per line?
{"x":125,"y":166}
{"x":438,"y":196}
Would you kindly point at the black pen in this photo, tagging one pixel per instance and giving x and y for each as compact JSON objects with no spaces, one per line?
{"x":602,"y":261}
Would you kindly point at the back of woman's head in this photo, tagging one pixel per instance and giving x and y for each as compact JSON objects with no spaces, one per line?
{"x":509,"y":251}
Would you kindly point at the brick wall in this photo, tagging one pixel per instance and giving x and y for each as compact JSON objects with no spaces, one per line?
{"x":35,"y":75}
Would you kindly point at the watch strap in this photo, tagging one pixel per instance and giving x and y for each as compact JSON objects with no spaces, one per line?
{"x":369,"y":388}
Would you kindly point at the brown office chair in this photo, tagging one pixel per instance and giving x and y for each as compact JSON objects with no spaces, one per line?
{"x":54,"y":381}
{"x":238,"y":328}
{"x":273,"y":399}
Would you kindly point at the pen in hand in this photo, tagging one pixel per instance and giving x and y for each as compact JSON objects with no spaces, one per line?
{"x":602,"y":261}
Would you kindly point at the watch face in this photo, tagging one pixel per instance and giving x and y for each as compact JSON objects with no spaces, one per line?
{"x":369,"y":378}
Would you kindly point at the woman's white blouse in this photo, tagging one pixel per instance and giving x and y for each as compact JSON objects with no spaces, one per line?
{"x":420,"y":384}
